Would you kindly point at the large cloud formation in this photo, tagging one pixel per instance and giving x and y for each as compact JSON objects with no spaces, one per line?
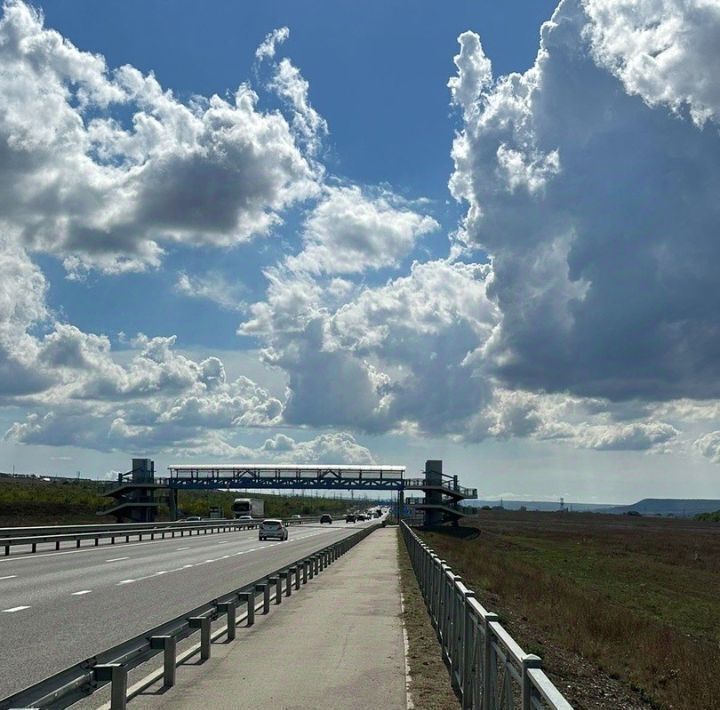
{"x":592,"y":180}
{"x":80,"y":181}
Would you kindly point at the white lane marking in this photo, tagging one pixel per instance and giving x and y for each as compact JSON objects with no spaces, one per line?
{"x":14,"y":609}
{"x":9,"y":576}
{"x":81,"y":592}
{"x":223,"y":542}
{"x":183,"y":548}
{"x":117,"y":559}
{"x":234,"y":554}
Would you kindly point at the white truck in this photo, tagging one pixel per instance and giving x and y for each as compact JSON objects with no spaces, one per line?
{"x":253,"y":507}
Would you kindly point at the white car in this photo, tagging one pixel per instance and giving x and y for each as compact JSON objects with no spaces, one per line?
{"x":272,"y":528}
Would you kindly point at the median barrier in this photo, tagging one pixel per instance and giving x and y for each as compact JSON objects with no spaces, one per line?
{"x":80,"y":680}
{"x":488,"y":668}
{"x":57,"y":534}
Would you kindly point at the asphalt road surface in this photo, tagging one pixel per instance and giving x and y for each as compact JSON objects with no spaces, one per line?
{"x":58,"y":608}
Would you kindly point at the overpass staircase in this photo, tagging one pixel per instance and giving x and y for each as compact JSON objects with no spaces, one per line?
{"x":442,"y":496}
{"x":134,"y":494}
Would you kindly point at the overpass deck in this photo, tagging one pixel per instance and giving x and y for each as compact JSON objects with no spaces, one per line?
{"x":288,"y":476}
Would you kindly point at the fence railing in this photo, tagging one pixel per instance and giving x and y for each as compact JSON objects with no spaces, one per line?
{"x":488,"y":668}
{"x":57,"y":534}
{"x":112,"y":665}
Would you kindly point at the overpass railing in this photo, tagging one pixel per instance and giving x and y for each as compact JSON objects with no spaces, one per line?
{"x":445,"y":485}
{"x":58,"y":534}
{"x":487,"y":667}
{"x":112,"y":665}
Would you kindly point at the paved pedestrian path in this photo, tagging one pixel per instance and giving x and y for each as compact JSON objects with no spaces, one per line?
{"x":337,"y":642}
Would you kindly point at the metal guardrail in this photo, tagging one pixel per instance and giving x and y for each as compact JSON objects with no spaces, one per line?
{"x":32,"y":537}
{"x":487,"y":667}
{"x":112,"y":665}
{"x":27,"y":531}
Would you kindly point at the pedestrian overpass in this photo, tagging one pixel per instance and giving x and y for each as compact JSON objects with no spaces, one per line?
{"x":134,"y":491}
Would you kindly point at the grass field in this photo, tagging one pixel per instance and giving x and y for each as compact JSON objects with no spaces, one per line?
{"x":26,"y":501}
{"x":636,"y":598}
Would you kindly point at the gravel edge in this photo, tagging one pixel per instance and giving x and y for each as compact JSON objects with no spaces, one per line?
{"x":429,"y":685}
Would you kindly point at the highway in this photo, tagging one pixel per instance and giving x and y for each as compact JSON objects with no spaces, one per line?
{"x":58,"y":608}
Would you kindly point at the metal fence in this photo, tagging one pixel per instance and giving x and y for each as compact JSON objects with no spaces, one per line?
{"x":65,"y":688}
{"x":488,"y":668}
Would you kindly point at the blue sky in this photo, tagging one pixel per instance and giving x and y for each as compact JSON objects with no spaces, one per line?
{"x":364,"y":232}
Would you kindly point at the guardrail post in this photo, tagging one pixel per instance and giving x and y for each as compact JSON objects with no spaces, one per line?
{"x":529,"y":661}
{"x":468,"y":649}
{"x":57,"y":545}
{"x":169,"y":647}
{"x":285,"y":576}
{"x":249,"y":599}
{"x":322,"y":561}
{"x":202,"y":623}
{"x":296,"y":573}
{"x":311,"y":566}
{"x":229,"y":608}
{"x":116,"y":673}
{"x":264,"y":587}
{"x":487,"y":659}
{"x":305,"y":565}
{"x":278,"y":588}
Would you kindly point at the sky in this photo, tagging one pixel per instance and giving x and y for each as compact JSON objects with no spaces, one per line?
{"x":377,"y":232}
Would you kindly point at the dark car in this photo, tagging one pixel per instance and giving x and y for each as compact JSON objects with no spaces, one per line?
{"x":326,"y":518}
{"x":350,"y":518}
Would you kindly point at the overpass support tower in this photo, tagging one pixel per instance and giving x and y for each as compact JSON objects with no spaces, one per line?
{"x":433,"y":496}
{"x":134,"y":494}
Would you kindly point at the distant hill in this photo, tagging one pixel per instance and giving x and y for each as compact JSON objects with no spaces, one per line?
{"x":679,"y":507}
{"x":542,"y":505}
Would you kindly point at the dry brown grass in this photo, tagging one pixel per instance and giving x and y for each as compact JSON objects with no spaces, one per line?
{"x":430,"y":686}
{"x":639,"y":599}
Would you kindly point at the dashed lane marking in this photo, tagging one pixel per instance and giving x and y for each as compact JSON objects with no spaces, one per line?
{"x":14,"y":609}
{"x":9,"y":576}
{"x":81,"y":592}
{"x":117,"y":559}
{"x":125,"y":581}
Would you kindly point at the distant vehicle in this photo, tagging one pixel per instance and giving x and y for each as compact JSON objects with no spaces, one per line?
{"x":248,"y":518}
{"x":272,"y":529}
{"x":192,"y":519}
{"x":378,"y":513}
{"x":254,"y":507}
{"x":350,"y":518}
{"x":362,"y":516}
{"x":326,"y":519}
